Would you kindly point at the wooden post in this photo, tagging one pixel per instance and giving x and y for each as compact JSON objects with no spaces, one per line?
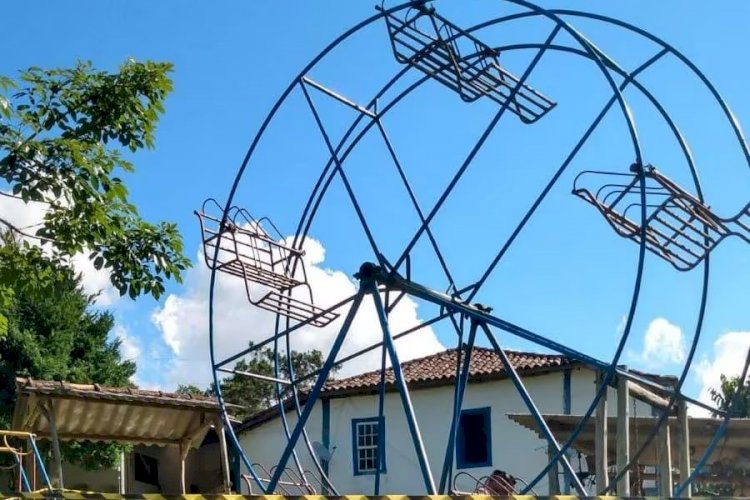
{"x":683,"y":445}
{"x":600,"y":437}
{"x":49,"y":411}
{"x":224,"y":455}
{"x":623,"y":435}
{"x":184,"y":450}
{"x":665,"y":462}
{"x":553,"y":477}
{"x":123,"y":473}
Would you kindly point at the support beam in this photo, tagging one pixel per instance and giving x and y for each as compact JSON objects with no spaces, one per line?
{"x":683,"y":445}
{"x":224,"y":455}
{"x":553,"y":476}
{"x":49,"y":411}
{"x":623,"y":435}
{"x":122,"y":488}
{"x":184,"y":450}
{"x":665,"y":462}
{"x":600,"y":438}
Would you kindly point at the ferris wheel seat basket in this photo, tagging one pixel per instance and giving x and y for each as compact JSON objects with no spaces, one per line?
{"x":679,"y":227}
{"x":431,"y":44}
{"x":240,"y":246}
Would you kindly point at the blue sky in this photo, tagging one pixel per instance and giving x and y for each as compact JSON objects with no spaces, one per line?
{"x":568,"y":276}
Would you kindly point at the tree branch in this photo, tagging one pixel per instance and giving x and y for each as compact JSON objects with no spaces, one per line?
{"x":15,"y":229}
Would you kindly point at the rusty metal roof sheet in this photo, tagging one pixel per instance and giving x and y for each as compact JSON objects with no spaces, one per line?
{"x":96,"y":413}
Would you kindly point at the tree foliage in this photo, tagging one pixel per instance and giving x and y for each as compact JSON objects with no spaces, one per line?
{"x":53,"y":335}
{"x":64,"y":136}
{"x":190,"y":390}
{"x":732,"y":396}
{"x":252,"y":394}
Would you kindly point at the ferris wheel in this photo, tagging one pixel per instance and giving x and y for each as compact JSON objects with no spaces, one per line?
{"x":495,"y":72}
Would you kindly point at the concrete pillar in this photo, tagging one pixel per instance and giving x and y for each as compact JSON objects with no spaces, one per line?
{"x":623,"y":435}
{"x":600,"y":437}
{"x":224,"y":456}
{"x":665,"y":462}
{"x":683,"y":445}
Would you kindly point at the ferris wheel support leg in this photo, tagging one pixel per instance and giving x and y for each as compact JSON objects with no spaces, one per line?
{"x":402,"y":389}
{"x":315,"y":392}
{"x":521,"y":388}
{"x":457,"y":406}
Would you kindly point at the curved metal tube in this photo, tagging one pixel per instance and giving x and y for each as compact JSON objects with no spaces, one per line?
{"x":732,"y":120}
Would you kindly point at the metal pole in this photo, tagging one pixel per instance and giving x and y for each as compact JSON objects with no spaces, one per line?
{"x":521,"y":388}
{"x":381,"y":421}
{"x":40,"y":463}
{"x":403,"y":391}
{"x":457,"y":405}
{"x":315,"y":392}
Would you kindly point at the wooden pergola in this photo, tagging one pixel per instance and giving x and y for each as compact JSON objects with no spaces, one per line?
{"x":61,"y":411}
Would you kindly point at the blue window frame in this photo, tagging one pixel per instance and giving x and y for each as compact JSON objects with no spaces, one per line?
{"x":367,"y":434}
{"x":474,"y":439}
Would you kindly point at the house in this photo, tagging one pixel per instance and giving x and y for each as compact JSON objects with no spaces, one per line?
{"x":345,"y":420}
{"x":177,"y":439}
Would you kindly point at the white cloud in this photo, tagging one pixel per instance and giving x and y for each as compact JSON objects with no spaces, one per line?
{"x":663,"y":344}
{"x":28,"y":216}
{"x":183,"y":322}
{"x":130,"y":347}
{"x":730,"y":351}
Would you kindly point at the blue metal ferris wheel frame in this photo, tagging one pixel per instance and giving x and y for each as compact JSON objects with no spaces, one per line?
{"x":605,"y":65}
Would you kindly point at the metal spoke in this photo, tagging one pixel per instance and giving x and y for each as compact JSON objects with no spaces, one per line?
{"x":315,"y":392}
{"x":574,"y":152}
{"x":415,"y":203}
{"x":477,"y":146}
{"x":338,"y":168}
{"x":279,"y":335}
{"x":461,"y":382}
{"x":403,"y":391}
{"x":529,"y":402}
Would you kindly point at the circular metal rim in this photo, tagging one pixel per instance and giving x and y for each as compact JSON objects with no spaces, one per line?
{"x":539,"y":11}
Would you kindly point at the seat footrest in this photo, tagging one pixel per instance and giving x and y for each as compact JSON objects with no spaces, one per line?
{"x":296,"y":309}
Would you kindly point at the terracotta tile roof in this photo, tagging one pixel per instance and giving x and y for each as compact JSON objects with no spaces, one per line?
{"x":429,"y":371}
{"x":440,"y":368}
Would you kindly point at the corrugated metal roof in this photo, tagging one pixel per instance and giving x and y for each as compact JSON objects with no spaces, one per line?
{"x":734,"y":446}
{"x":96,"y":413}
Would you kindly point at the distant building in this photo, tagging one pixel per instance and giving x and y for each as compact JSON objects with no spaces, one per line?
{"x":345,"y":422}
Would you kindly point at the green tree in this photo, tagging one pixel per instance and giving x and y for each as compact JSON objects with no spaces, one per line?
{"x":190,"y":390}
{"x":64,"y":136}
{"x":252,"y":394}
{"x":53,"y":335}
{"x":732,"y":396}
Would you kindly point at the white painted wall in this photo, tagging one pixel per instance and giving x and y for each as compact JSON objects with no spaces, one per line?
{"x":514,"y":448}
